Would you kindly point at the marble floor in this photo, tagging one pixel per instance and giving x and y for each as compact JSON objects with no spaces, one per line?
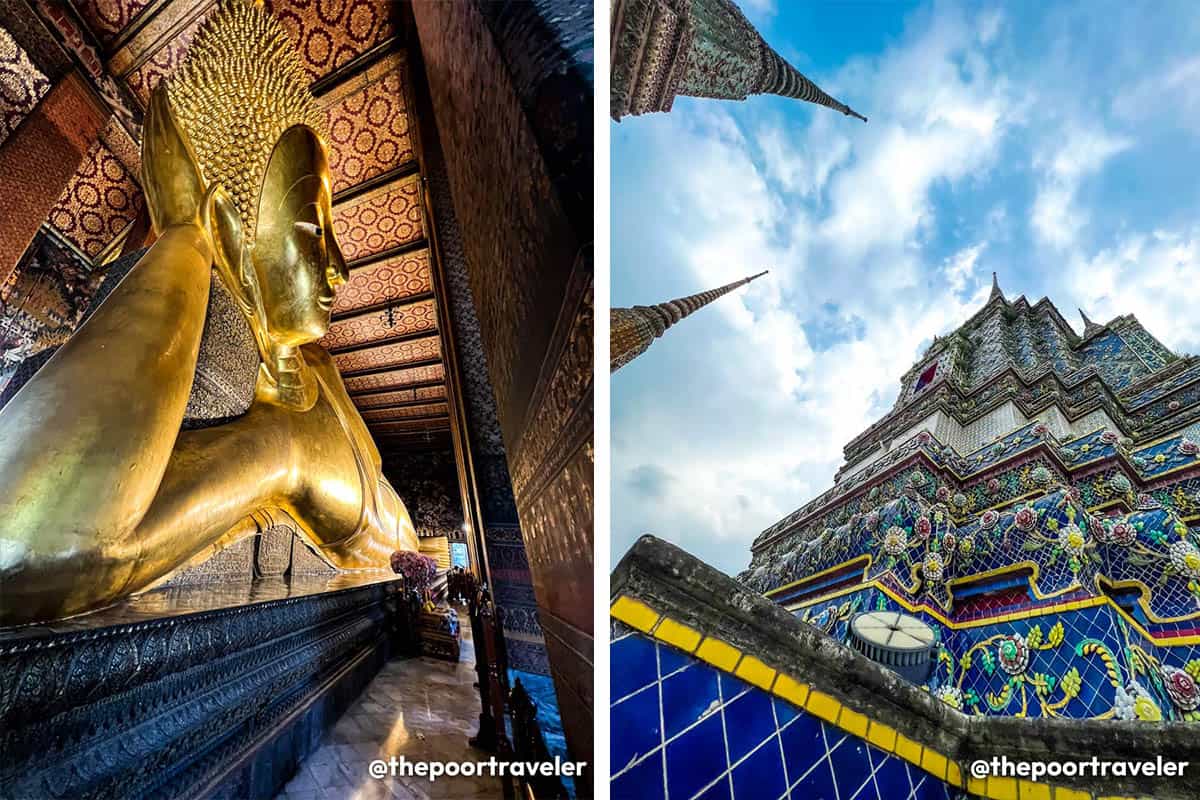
{"x":420,"y":708}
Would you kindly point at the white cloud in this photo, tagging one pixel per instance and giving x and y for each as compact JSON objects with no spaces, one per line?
{"x":1173,"y":94}
{"x":1073,"y":156}
{"x":960,"y":268}
{"x":748,"y":402}
{"x":1152,"y":276}
{"x":740,"y":413}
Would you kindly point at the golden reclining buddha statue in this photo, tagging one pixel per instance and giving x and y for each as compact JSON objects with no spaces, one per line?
{"x":103,"y":492}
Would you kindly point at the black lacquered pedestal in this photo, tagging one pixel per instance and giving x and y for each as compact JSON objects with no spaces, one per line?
{"x":193,"y":691}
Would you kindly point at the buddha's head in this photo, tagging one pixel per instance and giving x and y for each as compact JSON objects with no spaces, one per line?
{"x":240,"y":110}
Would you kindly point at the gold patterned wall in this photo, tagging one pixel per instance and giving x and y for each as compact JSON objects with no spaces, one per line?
{"x":390,"y":355}
{"x":22,"y":85}
{"x":101,"y":200}
{"x":107,"y":18}
{"x":382,"y":325}
{"x":380,"y":220}
{"x":368,"y":125}
{"x":329,"y":34}
{"x":401,"y":396}
{"x":385,"y":281}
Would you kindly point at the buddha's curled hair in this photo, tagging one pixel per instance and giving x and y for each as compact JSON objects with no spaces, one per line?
{"x":241,"y":86}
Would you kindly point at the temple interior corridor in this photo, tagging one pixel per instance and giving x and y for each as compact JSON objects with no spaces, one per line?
{"x":384,"y":406}
{"x":421,"y":708}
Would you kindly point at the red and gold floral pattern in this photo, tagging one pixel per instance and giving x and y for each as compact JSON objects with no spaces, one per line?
{"x":22,"y":85}
{"x":331,"y":33}
{"x":376,"y":326}
{"x":389,"y":355}
{"x":387,"y":414}
{"x":380,"y":220}
{"x":386,"y":398}
{"x":107,"y":18}
{"x":368,"y":126}
{"x":163,"y":62}
{"x":392,"y":279}
{"x":395,"y":378}
{"x":101,"y":200}
{"x":401,"y":396}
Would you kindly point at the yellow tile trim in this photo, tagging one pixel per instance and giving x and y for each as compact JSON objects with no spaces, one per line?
{"x":1034,"y":791}
{"x":634,"y":613}
{"x":934,"y":763}
{"x":730,"y":659}
{"x":822,"y":705}
{"x":756,"y":672}
{"x":791,"y":690}
{"x":1001,"y":788}
{"x":677,"y":634}
{"x":720,"y":655}
{"x":907,"y":749}
{"x":882,"y":736}
{"x":853,"y":722}
{"x":954,"y":774}
{"x":1063,"y":793}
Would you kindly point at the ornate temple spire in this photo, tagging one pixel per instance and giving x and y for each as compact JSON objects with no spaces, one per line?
{"x":633,"y":329}
{"x":701,"y":48}
{"x":995,"y":289}
{"x":781,"y":78}
{"x":1089,"y":327}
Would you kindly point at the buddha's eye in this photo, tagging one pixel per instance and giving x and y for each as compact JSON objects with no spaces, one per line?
{"x":310,"y":228}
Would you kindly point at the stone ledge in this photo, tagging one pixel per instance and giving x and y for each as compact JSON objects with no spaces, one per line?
{"x":684,"y":589}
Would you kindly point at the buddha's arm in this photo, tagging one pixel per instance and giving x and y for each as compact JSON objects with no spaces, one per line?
{"x":216,"y":478}
{"x":84,"y":444}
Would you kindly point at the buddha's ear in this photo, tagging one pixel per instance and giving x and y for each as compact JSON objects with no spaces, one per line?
{"x":293,"y":174}
{"x":170,"y":174}
{"x":221,"y":219}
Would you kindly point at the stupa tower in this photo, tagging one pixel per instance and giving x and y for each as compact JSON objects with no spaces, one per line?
{"x":700,"y":48}
{"x":633,"y":329}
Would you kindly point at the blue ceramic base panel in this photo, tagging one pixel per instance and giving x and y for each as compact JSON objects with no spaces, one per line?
{"x":681,"y":730}
{"x":1090,"y":661}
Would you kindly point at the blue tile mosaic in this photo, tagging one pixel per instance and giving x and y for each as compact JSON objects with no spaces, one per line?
{"x":691,"y":733}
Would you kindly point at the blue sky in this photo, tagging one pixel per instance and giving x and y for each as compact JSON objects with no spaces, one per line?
{"x":1057,"y":146}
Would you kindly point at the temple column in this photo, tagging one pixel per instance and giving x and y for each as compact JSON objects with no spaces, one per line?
{"x":39,"y":159}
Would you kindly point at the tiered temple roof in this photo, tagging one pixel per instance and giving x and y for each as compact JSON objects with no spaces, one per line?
{"x":1032,"y":491}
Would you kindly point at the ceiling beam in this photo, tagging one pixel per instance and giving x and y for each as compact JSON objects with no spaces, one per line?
{"x":406,"y":337}
{"x":355,"y":66}
{"x":397,"y":303}
{"x":405,"y":170}
{"x":384,"y":255}
{"x":400,"y":387}
{"x":425,"y":362}
{"x":405,"y":404}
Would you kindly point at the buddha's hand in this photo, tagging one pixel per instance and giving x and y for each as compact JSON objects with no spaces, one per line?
{"x":175,"y":191}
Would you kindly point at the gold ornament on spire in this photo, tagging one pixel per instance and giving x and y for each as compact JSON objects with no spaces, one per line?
{"x":241,"y":87}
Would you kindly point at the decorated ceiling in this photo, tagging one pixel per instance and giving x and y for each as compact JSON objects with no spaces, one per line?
{"x":385,"y":335}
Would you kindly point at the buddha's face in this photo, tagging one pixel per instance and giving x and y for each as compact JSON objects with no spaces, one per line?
{"x":295,"y":256}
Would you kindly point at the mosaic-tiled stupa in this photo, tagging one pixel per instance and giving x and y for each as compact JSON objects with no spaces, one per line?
{"x":1032,"y":497}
